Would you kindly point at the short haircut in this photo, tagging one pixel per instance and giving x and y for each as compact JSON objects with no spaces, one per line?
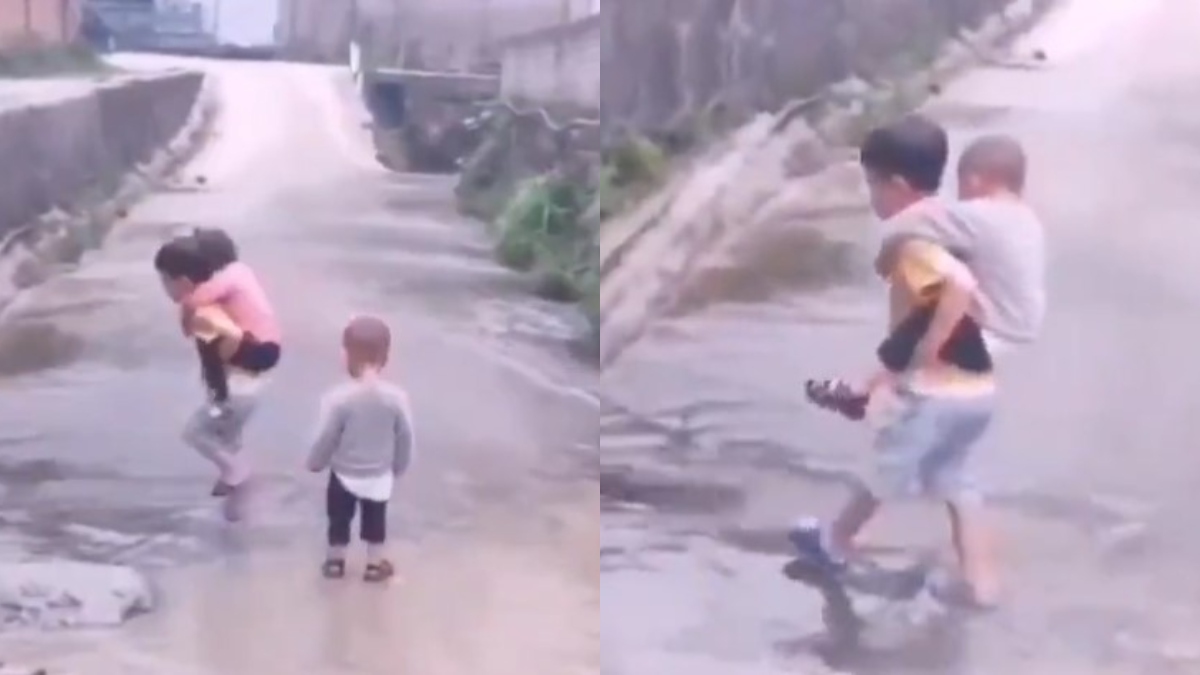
{"x":997,"y":157}
{"x":913,"y":148}
{"x":368,"y":338}
{"x":216,"y":245}
{"x":182,"y":258}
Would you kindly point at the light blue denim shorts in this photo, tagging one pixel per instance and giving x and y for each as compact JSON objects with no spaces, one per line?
{"x":924,"y":449}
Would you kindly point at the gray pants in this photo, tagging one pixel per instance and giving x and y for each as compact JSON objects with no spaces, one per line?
{"x":218,"y":437}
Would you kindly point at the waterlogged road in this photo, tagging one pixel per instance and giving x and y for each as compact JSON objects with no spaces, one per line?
{"x":496,"y":526}
{"x":1094,"y":454}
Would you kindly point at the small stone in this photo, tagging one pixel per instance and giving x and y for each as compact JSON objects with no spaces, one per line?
{"x":62,"y":594}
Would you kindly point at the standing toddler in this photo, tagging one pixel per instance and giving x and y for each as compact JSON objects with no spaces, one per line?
{"x":365,"y":440}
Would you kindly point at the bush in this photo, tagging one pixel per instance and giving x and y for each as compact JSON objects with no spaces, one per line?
{"x":632,"y":170}
{"x":547,"y":230}
{"x":636,"y":161}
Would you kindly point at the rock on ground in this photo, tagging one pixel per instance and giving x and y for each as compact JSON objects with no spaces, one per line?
{"x":59,"y":594}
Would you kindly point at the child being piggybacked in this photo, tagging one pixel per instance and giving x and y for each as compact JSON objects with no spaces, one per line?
{"x":225,"y":310}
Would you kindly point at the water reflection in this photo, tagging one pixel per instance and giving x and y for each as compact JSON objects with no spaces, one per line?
{"x":905,"y":635}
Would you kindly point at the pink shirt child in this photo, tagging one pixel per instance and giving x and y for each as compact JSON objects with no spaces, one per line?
{"x":236,"y":290}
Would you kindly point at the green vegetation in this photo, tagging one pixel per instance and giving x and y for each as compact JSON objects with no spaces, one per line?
{"x":60,"y":61}
{"x":543,"y":231}
{"x":631,"y":171}
{"x":548,"y":227}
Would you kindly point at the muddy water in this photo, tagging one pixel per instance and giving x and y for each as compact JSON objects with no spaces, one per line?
{"x":709,"y":450}
{"x":497,"y":524}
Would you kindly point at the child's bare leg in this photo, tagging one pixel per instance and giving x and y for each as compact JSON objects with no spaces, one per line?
{"x":976,"y":548}
{"x":227,"y":346}
{"x":853,"y":518}
{"x":376,"y":553}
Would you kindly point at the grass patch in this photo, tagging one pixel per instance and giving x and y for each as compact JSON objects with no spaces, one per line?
{"x":543,"y":231}
{"x":632,"y":170}
{"x":59,"y":61}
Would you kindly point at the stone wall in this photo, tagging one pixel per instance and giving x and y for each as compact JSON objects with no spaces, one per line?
{"x":555,"y":66}
{"x":61,"y":152}
{"x":668,"y":60}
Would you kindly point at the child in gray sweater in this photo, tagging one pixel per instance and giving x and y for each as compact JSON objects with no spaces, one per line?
{"x":365,"y":440}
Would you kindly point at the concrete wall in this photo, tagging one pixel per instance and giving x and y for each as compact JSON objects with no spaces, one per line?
{"x":25,"y":23}
{"x":62,"y":151}
{"x":554,"y":66}
{"x":667,"y":59}
{"x":441,"y":34}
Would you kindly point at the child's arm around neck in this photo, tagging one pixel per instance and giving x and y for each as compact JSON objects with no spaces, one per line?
{"x":215,"y":290}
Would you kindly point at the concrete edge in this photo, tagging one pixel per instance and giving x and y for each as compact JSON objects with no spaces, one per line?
{"x":50,"y":244}
{"x":979,"y":48}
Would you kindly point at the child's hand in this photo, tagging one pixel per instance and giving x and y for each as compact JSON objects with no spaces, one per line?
{"x":186,"y":315}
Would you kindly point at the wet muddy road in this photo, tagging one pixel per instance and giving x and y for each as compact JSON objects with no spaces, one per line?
{"x":1093,"y":458}
{"x":496,"y":515}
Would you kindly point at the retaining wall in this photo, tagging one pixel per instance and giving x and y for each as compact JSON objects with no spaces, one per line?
{"x":667,"y":60}
{"x":63,"y":151}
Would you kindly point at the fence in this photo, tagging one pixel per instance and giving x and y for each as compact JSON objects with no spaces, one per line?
{"x":31,"y":23}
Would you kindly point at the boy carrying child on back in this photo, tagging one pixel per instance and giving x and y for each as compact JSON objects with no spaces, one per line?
{"x":225,"y":310}
{"x":966,"y":281}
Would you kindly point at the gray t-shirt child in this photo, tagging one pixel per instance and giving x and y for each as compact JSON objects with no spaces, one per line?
{"x":365,"y":436}
{"x":1003,"y":243}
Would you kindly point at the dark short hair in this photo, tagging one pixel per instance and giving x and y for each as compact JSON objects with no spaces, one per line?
{"x":182,"y":258}
{"x":998,"y":157}
{"x":368,"y":338}
{"x":216,"y":245}
{"x":913,"y":148}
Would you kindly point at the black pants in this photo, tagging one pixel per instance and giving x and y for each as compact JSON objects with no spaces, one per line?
{"x":342,"y":506}
{"x":251,"y":355}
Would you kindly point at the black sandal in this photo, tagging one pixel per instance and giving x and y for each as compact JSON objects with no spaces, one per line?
{"x":379,"y":572}
{"x":838,"y":396}
{"x":334,"y":569}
